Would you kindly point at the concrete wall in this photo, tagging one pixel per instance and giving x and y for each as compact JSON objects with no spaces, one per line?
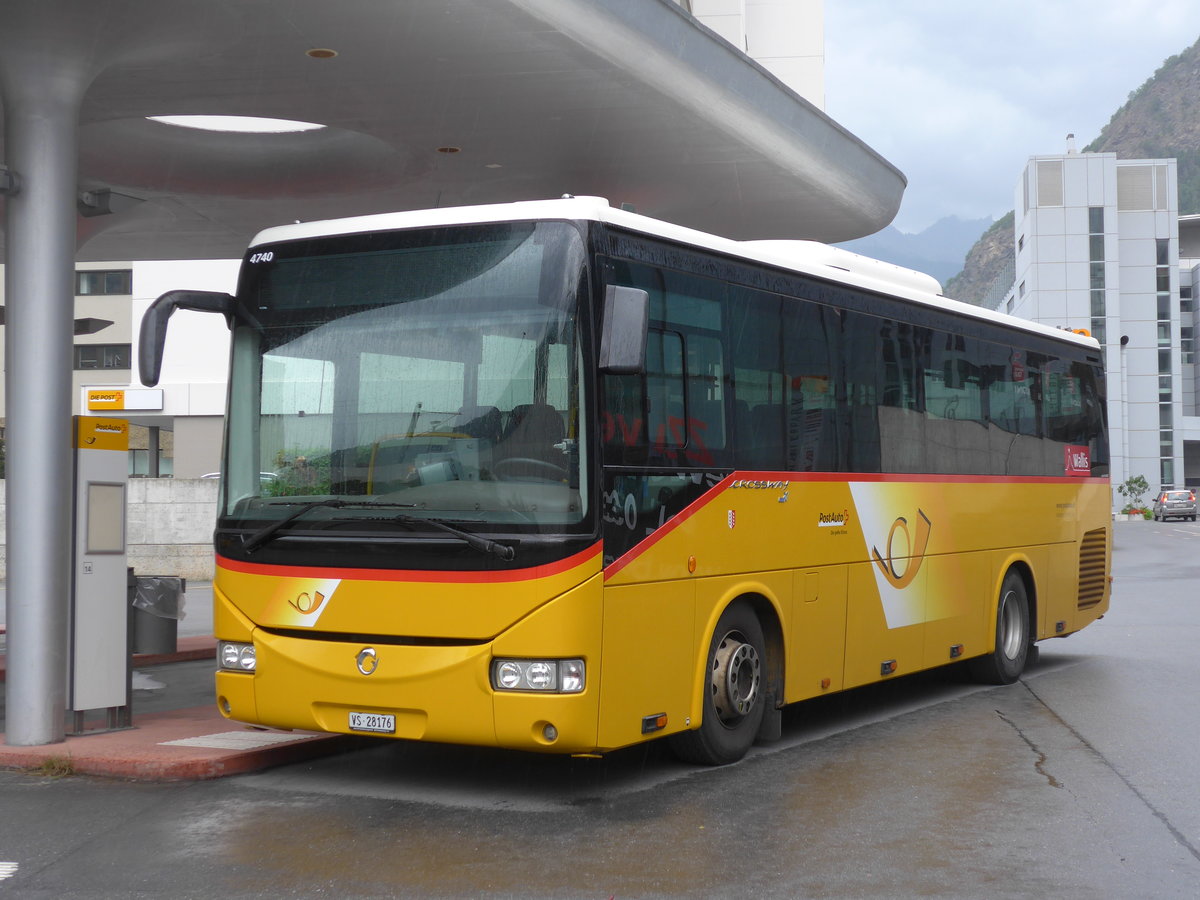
{"x":168,"y":528}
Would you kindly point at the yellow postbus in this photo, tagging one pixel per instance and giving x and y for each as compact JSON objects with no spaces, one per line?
{"x":559,"y":477}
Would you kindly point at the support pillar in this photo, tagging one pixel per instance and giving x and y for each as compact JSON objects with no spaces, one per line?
{"x":42,"y":96}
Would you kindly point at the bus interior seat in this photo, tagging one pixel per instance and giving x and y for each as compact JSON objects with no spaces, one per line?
{"x":481,"y":422}
{"x":532,"y":431}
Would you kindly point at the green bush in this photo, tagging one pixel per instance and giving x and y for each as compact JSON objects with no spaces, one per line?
{"x":1132,"y":489}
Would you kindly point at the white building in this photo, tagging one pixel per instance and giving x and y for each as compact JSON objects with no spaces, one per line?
{"x":1098,"y":247}
{"x":1189,"y":289}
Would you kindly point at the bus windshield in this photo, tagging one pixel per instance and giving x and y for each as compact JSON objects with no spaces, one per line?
{"x":432,"y":374}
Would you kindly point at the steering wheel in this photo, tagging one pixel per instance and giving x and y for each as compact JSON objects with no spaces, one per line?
{"x":522,"y":464}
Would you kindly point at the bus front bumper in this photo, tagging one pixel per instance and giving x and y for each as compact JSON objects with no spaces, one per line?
{"x":428,"y":693}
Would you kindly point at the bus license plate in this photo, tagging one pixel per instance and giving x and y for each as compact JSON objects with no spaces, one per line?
{"x":377,"y":723}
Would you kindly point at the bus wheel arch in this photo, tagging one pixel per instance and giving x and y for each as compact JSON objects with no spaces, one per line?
{"x":1014,"y":632}
{"x":742,"y":681}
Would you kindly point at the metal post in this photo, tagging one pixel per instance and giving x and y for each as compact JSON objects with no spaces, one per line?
{"x":41,"y":106}
{"x":152,"y":456}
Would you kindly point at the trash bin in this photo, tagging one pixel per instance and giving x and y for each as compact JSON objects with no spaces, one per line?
{"x":157,"y":608}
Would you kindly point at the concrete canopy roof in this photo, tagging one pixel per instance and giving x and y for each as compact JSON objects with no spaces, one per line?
{"x":627,"y":99}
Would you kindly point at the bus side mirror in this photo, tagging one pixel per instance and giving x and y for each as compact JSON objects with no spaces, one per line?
{"x":153,"y":335}
{"x":623,"y":333}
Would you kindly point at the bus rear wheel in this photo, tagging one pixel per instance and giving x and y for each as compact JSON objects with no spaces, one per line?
{"x":1006,"y":662}
{"x":734,"y":693}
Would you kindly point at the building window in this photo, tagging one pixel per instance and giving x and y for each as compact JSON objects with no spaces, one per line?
{"x":1167,"y":467}
{"x":1020,"y":243}
{"x":1096,"y":247}
{"x":1097,"y":275}
{"x":1096,"y":220}
{"x":1164,"y":362}
{"x":1187,"y":343}
{"x":113,"y":281}
{"x":102,"y":356}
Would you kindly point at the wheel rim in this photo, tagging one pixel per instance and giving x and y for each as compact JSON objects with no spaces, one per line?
{"x":736,"y":678}
{"x":1011,"y":630}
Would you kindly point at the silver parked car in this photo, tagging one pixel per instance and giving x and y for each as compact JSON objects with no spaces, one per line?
{"x":1177,"y":504}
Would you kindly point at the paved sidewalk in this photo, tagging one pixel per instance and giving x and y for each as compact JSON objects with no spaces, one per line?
{"x":177,"y":733}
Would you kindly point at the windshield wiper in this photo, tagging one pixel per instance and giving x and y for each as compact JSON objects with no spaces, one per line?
{"x":260,"y":537}
{"x":474,"y":541}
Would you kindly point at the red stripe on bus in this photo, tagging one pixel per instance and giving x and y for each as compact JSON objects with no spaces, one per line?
{"x":410,"y":575}
{"x":688,"y":511}
{"x":873,"y":478}
{"x":792,"y":477}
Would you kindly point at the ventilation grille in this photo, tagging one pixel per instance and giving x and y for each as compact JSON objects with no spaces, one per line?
{"x":1135,"y":187}
{"x":1050,"y":183}
{"x":1093,"y":570}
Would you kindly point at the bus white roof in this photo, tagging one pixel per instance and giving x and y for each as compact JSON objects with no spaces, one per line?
{"x":807,"y":257}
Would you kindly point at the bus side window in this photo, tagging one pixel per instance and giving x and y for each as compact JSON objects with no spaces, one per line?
{"x":755,"y":353}
{"x":811,"y":339}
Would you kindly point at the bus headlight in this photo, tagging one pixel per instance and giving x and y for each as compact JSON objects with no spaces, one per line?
{"x":235,"y":656}
{"x":559,"y":676}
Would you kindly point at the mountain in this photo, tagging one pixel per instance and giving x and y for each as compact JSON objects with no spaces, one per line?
{"x":1161,"y":119}
{"x":938,"y":250}
{"x":989,"y":257}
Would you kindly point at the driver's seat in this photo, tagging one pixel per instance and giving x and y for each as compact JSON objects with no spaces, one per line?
{"x":533,"y":430}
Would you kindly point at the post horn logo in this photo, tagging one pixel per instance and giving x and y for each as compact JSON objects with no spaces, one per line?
{"x":367,"y":660}
{"x":915,"y":555}
{"x":306,"y":602}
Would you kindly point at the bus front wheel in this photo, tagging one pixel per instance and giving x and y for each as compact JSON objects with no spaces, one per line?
{"x":734,"y":692}
{"x":1008,"y":657}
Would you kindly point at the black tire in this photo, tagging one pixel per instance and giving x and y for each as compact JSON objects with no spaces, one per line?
{"x":1006,"y":662}
{"x":735,"y":692}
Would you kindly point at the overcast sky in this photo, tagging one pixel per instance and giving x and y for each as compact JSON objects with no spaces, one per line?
{"x":960,"y":93}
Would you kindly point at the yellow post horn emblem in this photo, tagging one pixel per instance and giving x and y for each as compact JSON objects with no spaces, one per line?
{"x":916,"y":554}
